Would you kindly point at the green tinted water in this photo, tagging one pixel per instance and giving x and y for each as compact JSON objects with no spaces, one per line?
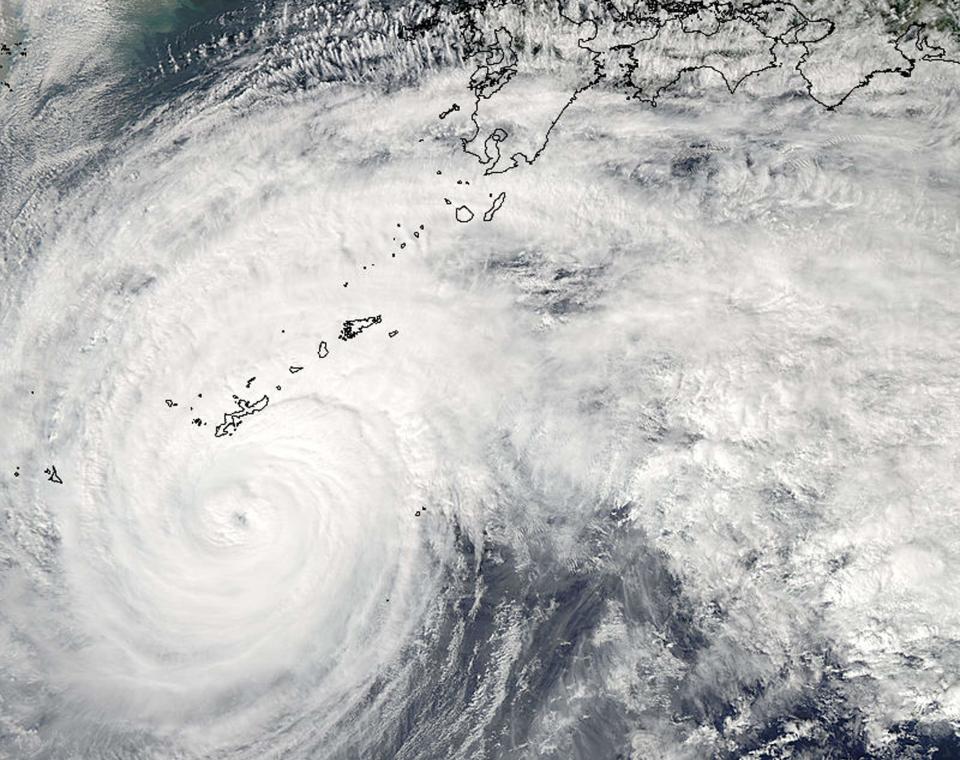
{"x":153,"y":22}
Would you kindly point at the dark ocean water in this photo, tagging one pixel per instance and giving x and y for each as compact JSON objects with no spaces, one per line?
{"x":630,"y":418}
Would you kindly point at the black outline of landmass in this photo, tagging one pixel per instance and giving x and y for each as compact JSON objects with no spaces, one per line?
{"x":233,"y":420}
{"x":497,"y":60}
{"x":6,"y":50}
{"x":495,"y":206}
{"x":353,"y":327}
{"x":452,"y":109}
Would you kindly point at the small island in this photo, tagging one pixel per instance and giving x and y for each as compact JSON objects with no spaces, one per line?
{"x":232,"y":420}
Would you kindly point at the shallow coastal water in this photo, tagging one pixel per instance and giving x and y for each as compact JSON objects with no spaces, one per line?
{"x":658,"y":461}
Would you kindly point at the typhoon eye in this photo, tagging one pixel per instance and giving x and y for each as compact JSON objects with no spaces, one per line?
{"x":506,"y":380}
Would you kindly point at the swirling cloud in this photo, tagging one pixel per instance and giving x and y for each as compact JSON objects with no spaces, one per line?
{"x":657,"y":460}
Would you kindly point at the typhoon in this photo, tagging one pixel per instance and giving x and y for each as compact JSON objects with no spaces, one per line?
{"x":516,"y":379}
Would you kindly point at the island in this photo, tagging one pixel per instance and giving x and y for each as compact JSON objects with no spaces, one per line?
{"x":232,"y":420}
{"x":353,"y":327}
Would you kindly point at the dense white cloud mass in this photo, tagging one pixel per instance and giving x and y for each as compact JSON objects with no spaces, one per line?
{"x":659,"y":462}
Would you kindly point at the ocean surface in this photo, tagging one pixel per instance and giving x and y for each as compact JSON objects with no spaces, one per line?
{"x":654,"y":455}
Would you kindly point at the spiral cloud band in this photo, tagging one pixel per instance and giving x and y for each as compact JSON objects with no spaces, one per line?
{"x":380,"y":382}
